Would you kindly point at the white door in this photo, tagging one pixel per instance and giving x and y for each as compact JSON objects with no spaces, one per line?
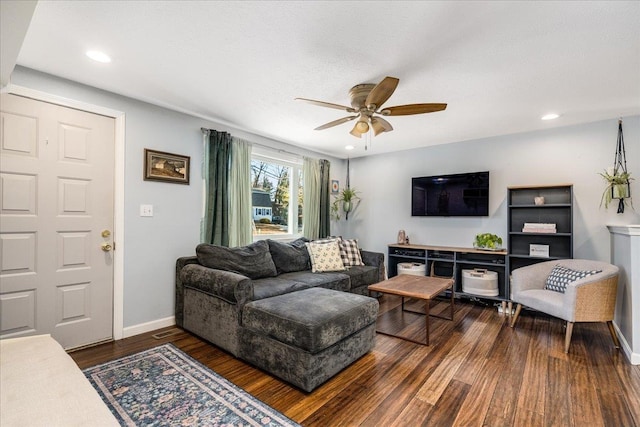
{"x":56,"y":222}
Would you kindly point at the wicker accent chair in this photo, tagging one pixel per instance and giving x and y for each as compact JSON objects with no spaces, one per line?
{"x":590,"y":299}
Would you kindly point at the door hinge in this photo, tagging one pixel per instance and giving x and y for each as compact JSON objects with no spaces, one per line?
{"x":114,"y":246}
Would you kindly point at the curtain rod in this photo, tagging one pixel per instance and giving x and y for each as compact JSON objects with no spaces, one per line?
{"x":279,"y":150}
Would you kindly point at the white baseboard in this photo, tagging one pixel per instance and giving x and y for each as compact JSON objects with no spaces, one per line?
{"x":634,"y":358}
{"x":130,"y":331}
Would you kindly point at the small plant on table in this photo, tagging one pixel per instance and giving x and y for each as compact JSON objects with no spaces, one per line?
{"x":487,"y":241}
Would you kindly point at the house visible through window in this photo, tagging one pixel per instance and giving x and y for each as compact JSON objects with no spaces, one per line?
{"x":276,"y":197}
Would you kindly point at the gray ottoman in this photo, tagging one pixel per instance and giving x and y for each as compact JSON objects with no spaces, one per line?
{"x":306,"y":337}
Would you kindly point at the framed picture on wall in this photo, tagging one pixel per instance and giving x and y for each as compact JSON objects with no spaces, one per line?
{"x":335,"y":187}
{"x":167,"y":167}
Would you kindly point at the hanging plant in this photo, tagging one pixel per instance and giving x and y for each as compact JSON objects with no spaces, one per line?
{"x":618,"y":179}
{"x":617,"y":187}
{"x":345,"y":202}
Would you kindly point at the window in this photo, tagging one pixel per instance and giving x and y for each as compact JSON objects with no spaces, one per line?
{"x":276,"y":196}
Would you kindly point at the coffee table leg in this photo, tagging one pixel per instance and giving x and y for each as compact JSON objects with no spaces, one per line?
{"x":427,"y":318}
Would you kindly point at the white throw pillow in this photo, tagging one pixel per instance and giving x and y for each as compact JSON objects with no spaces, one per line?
{"x":325,"y":256}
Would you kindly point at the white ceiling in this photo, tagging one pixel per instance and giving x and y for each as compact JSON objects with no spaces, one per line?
{"x":499,"y":65}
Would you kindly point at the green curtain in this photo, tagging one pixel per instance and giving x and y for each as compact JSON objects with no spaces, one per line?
{"x":311,"y":202}
{"x":218,"y":153}
{"x":240,"y":209}
{"x":324,"y":228}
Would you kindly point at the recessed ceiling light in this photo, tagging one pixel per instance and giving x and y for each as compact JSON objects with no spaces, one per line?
{"x":550,"y":116}
{"x":349,"y":147}
{"x":96,"y":55}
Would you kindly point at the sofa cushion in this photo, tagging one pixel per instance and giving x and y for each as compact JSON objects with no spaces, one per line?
{"x":253,"y":261}
{"x":325,"y":256}
{"x":336,"y":280}
{"x":268,"y":287}
{"x":322,"y":317}
{"x":361,"y":275}
{"x":291,"y":256}
{"x":290,"y":282}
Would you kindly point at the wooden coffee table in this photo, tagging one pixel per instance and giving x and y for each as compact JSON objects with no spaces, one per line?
{"x":420,"y":287}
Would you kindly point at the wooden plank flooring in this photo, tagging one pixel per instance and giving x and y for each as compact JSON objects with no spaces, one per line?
{"x":477,"y":372}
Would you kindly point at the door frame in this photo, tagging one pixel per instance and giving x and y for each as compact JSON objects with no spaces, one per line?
{"x":118,"y":187}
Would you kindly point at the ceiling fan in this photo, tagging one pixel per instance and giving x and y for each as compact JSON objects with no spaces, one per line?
{"x":366,"y":105}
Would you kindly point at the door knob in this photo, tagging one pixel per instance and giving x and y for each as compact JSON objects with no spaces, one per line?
{"x":105,"y":247}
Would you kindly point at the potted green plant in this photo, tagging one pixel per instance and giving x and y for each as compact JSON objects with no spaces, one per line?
{"x":617,"y":186}
{"x":344,"y":202}
{"x":487,"y":241}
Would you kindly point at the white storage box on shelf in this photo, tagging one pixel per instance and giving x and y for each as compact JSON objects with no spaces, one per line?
{"x":411,"y":268}
{"x":480,"y":282}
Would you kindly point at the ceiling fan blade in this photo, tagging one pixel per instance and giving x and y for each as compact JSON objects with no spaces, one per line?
{"x":327,"y":104}
{"x":382,"y":91}
{"x":380,"y":125}
{"x":405,"y":110}
{"x":336,"y":122}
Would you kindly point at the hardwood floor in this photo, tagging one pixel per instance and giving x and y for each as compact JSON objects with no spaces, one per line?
{"x":477,"y":371}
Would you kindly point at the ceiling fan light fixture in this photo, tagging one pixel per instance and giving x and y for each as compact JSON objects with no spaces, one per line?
{"x":362,"y":126}
{"x":377,"y":127}
{"x":355,"y":132}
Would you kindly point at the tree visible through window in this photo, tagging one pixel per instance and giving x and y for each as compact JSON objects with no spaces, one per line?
{"x":276,"y":197}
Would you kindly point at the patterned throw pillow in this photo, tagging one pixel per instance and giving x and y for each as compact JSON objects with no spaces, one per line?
{"x":325,"y":256}
{"x":561,"y":276}
{"x":350,"y":252}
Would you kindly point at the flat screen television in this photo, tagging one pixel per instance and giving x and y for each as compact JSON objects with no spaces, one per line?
{"x":462,"y":194}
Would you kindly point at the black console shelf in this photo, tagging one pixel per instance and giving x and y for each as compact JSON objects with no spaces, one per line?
{"x":448,"y":261}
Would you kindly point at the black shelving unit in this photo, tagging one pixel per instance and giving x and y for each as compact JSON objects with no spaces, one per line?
{"x":444,"y":261}
{"x":557,"y":209}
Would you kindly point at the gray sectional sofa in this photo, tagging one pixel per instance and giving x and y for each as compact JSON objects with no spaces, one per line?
{"x":262,"y":303}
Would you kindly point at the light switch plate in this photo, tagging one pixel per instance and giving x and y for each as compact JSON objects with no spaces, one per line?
{"x":146,"y":210}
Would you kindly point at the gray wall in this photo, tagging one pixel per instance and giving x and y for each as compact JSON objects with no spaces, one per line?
{"x":563,"y":155}
{"x":152,"y":245}
{"x":574,"y":154}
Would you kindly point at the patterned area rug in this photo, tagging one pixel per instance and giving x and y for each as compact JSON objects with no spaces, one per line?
{"x":164,"y":386}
